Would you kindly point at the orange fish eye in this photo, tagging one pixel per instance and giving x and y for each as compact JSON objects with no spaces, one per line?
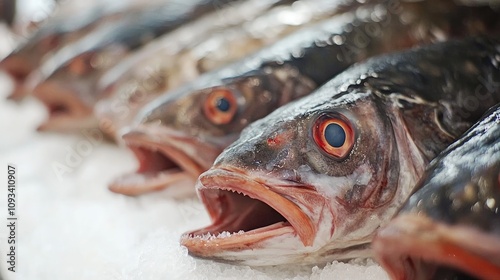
{"x":334,"y":135}
{"x":220,"y":106}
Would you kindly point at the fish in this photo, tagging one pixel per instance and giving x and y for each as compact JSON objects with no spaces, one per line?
{"x":182,"y":132}
{"x":70,"y":21}
{"x":451,"y":224}
{"x":65,"y":83}
{"x":454,"y":214}
{"x":7,"y":11}
{"x":183,"y":56}
{"x":314,"y":180}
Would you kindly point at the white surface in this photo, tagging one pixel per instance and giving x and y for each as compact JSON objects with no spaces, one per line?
{"x":71,"y":227}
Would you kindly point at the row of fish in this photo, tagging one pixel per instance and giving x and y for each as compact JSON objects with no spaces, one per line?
{"x":328,"y":170}
{"x":306,"y":160}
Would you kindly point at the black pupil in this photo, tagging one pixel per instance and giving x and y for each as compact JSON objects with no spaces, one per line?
{"x":335,"y":135}
{"x":222,"y":104}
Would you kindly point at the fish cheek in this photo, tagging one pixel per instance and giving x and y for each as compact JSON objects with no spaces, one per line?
{"x":372,"y":165}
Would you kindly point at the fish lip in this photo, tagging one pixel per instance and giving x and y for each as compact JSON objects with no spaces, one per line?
{"x":163,"y":140}
{"x":237,"y":181}
{"x":141,"y":137}
{"x":411,"y":237}
{"x":53,"y":95}
{"x":18,"y":70}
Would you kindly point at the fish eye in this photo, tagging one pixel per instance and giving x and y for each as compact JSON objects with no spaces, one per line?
{"x":220,"y":106}
{"x":334,"y":135}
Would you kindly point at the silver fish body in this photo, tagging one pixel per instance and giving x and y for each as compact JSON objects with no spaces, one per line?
{"x":69,"y":22}
{"x":312,"y":181}
{"x":184,"y":55}
{"x":453,"y":218}
{"x":72,"y":72}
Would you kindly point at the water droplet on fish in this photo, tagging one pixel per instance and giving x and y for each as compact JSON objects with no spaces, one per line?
{"x":407,"y":18}
{"x":340,"y":57}
{"x":490,"y":202}
{"x":298,"y":53}
{"x":321,"y":44}
{"x":338,"y":40}
{"x":419,"y":203}
{"x":265,"y":97}
{"x":456,"y":204}
{"x":476,"y":207}
{"x":470,"y":192}
{"x":348,"y":28}
{"x":495,"y":61}
{"x":435,"y":199}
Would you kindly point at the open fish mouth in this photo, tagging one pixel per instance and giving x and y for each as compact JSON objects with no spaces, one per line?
{"x":65,"y":110}
{"x":415,"y":247}
{"x":18,"y":69}
{"x":162,"y":162}
{"x":245,"y":212}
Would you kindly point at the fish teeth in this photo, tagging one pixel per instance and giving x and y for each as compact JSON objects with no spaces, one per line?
{"x":209,"y":236}
{"x":233,"y":191}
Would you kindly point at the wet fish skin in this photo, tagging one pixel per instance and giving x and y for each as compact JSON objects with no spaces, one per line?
{"x":315,"y":46}
{"x":334,"y":205}
{"x":259,"y":93}
{"x":144,"y":76}
{"x":260,"y":83}
{"x":453,"y":218}
{"x":75,"y":68}
{"x":296,"y":57}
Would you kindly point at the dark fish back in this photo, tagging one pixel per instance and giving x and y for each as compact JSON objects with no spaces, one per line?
{"x":462,"y":185}
{"x":386,"y":26}
{"x":436,"y":103}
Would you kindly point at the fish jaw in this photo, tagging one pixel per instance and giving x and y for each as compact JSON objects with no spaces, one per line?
{"x":66,"y":110}
{"x":167,"y":159}
{"x":18,"y":68}
{"x":230,"y":191}
{"x":413,"y":246}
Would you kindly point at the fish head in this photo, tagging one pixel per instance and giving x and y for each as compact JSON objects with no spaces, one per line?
{"x":126,"y":89}
{"x":68,"y":89}
{"x":200,"y":123}
{"x":307,"y":184}
{"x":451,"y":225}
{"x":25,"y":59}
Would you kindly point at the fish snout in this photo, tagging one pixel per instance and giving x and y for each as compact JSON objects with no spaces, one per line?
{"x":63,"y":106}
{"x":18,"y":69}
